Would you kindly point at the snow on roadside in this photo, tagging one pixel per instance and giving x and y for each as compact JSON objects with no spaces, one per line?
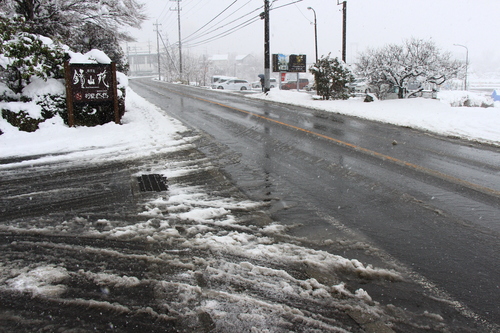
{"x":143,"y":132}
{"x":245,"y":269}
{"x":437,"y":116}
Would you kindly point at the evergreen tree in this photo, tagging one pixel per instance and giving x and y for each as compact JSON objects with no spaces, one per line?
{"x":91,"y":37}
{"x":331,"y":77}
{"x":25,"y":55}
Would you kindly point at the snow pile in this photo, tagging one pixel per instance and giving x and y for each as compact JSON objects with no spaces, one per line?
{"x":458,"y":98}
{"x":35,"y":90}
{"x":437,"y":116}
{"x":5,"y":91}
{"x":39,"y":87}
{"x":133,"y":139}
{"x":94,"y":56}
{"x":42,"y":280}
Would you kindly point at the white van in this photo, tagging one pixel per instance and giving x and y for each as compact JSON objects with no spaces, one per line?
{"x":234,"y":84}
{"x":219,"y":79}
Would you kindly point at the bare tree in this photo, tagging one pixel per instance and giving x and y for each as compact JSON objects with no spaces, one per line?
{"x":415,"y":60}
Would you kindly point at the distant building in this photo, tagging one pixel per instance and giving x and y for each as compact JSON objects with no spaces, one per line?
{"x":219,"y":58}
{"x":142,"y":64}
{"x":243,"y":66}
{"x":245,"y":59}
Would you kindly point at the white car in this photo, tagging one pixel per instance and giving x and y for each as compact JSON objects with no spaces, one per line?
{"x":218,"y":80}
{"x":359,"y":85}
{"x":272,"y":83}
{"x":235,"y":84}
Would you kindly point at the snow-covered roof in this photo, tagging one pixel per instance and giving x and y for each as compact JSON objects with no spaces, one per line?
{"x":241,"y":57}
{"x":219,"y":57}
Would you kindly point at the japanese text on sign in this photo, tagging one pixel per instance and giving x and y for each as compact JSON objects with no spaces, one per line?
{"x":91,"y":83}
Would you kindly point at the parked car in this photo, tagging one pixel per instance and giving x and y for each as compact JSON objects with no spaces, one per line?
{"x":293,"y":84}
{"x":219,"y":79}
{"x":234,"y":84}
{"x":272,"y":84}
{"x":310,"y":87}
{"x":360,"y":85}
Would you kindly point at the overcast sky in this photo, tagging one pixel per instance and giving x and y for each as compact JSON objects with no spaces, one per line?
{"x":370,"y":24}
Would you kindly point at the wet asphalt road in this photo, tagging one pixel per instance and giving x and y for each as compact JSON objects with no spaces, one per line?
{"x":428,"y":203}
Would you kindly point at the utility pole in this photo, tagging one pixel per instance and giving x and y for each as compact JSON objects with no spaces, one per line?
{"x":344,"y":28}
{"x":158,"y":47}
{"x":179,"y":28}
{"x":267,"y":61}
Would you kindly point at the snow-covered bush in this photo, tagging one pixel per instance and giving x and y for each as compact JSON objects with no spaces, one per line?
{"x":49,"y":94}
{"x":331,"y":77}
{"x":31,"y":72}
{"x":460,"y":98}
{"x":25,"y":55}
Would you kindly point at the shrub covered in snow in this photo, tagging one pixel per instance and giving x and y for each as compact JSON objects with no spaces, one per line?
{"x":331,"y":77}
{"x":459,"y":98}
{"x":25,"y":55}
{"x":32,"y":79}
{"x":31,"y":72}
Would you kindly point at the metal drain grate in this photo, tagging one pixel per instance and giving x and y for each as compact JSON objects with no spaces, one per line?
{"x":152,"y":183}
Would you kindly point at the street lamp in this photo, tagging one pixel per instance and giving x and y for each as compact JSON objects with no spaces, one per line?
{"x":315,"y":32}
{"x":466,"y":62}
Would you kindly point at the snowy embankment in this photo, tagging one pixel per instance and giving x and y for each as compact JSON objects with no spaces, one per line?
{"x":436,"y":116}
{"x":142,"y":133}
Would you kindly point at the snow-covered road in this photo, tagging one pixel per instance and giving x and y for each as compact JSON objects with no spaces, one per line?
{"x":199,"y":257}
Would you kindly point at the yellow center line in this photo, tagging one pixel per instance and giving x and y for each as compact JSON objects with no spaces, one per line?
{"x":438,"y":174}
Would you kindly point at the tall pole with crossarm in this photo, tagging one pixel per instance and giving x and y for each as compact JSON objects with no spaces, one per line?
{"x":178,"y":10}
{"x":267,"y":48}
{"x":158,"y":47}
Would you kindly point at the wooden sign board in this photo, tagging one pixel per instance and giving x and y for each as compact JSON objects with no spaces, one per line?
{"x":92,"y":84}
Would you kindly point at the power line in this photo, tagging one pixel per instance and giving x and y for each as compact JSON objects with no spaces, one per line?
{"x":193,"y":7}
{"x":191,"y":40}
{"x":223,"y":26}
{"x":163,"y":11}
{"x":187,"y":38}
{"x":228,"y":32}
{"x":214,"y":29}
{"x":168,"y":53}
{"x":288,"y":4}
